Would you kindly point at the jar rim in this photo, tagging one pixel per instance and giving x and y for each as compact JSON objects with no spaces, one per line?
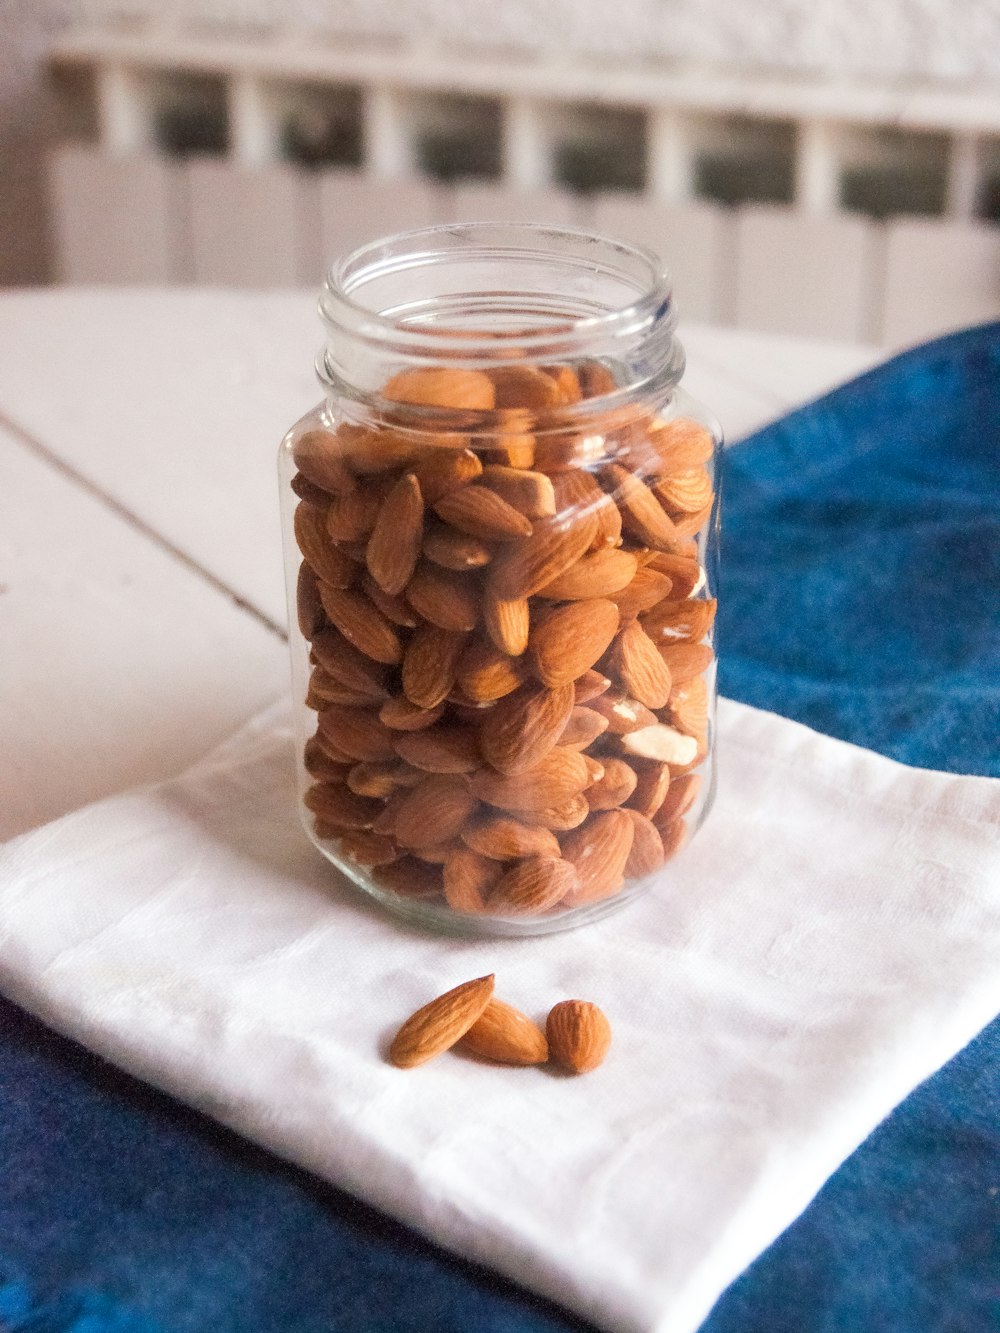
{"x":637,"y":269}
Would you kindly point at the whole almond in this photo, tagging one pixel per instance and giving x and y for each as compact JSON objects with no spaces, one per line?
{"x":578,"y":1034}
{"x":599,"y":849}
{"x":352,"y":516}
{"x":327,"y":561}
{"x":661,"y":742}
{"x":371,"y":452}
{"x":351,"y":668}
{"x":623,"y":713}
{"x":442,"y":470}
{"x":561,"y":818}
{"x":681,"y":795}
{"x":688,"y":524}
{"x":652,"y":785}
{"x":673,"y":836}
{"x":689,"y":707}
{"x":641,"y":670}
{"x":530,"y":493}
{"x":583,"y":728}
{"x":681,"y":444}
{"x":615,"y":786}
{"x":589,"y":685}
{"x":647,"y":847}
{"x":319,"y":457}
{"x":341,"y":807}
{"x":685,"y":660}
{"x":534,"y":885}
{"x":486,"y":672}
{"x":321,"y":766}
{"x":504,"y":839}
{"x":308,"y":608}
{"x":687,"y":491}
{"x":306,"y":490}
{"x":437,"y":1026}
{"x":455,"y":550}
{"x":503,"y":1033}
{"x":642,"y":514}
{"x":442,"y":386}
{"x":378,"y":779}
{"x":507,"y":622}
{"x":674,"y":621}
{"x":329,"y":691}
{"x":601,"y":573}
{"x":364,"y":848}
{"x":683,"y":571}
{"x":525,"y":386}
{"x":443,"y":749}
{"x":556,"y":779}
{"x":480,"y":512}
{"x":362,"y":624}
{"x":551,"y":547}
{"x":410,"y":878}
{"x":433,"y":811}
{"x":647,"y":590}
{"x":401,"y":715}
{"x":357,"y":731}
{"x":525,"y":726}
{"x":468,"y":878}
{"x":394,"y":607}
{"x":394,"y":544}
{"x":445,"y":598}
{"x":577,"y":491}
{"x":568,"y":640}
{"x":430,"y":664}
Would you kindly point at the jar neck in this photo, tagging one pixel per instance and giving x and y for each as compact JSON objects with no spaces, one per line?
{"x":483,"y":295}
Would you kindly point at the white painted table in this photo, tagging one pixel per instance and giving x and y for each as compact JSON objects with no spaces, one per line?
{"x":141,"y":597}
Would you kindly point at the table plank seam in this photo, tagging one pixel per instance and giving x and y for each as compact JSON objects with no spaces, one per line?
{"x":139,"y":525}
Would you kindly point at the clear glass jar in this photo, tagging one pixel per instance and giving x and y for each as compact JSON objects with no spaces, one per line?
{"x":501,"y":530}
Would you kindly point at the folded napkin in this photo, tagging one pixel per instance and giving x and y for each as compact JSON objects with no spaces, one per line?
{"x":828,"y":941}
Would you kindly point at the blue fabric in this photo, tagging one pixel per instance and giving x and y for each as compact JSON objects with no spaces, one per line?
{"x":860,"y":596}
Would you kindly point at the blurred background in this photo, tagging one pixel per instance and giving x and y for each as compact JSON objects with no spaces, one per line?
{"x":829,"y":168}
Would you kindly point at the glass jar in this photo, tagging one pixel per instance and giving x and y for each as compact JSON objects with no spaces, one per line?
{"x":501,"y":530}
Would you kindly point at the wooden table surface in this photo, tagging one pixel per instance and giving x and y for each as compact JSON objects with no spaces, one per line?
{"x":141,"y":596}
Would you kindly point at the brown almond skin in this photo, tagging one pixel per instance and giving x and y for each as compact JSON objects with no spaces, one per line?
{"x":409,"y":878}
{"x":322,"y":554}
{"x":358,"y":732}
{"x":308,"y":608}
{"x":651,"y":788}
{"x":507,"y":622}
{"x":579,"y":1036}
{"x":433,"y":812}
{"x":395,"y":542}
{"x":504,"y":1034}
{"x":522,"y":728}
{"x":480,"y":512}
{"x":646,"y":591}
{"x":585,"y":725}
{"x":686,"y":660}
{"x":319,"y":457}
{"x":615,"y":786}
{"x":568,"y":640}
{"x":430,"y":664}
{"x":504,"y":839}
{"x":677,"y":621}
{"x":400,"y":715}
{"x":340,"y":807}
{"x":456,"y":550}
{"x":442,"y":386}
{"x":530,"y":493}
{"x":468,"y":878}
{"x":601,"y":573}
{"x":438,"y":1025}
{"x":641,"y":670}
{"x":362,"y":624}
{"x":443,"y":749}
{"x":552,"y":545}
{"x":446,"y":598}
{"x":599,"y":850}
{"x":555,"y":780}
{"x":486,"y":672}
{"x":647,"y":852}
{"x":534,"y":885}
{"x":443,"y":470}
{"x":346,"y":664}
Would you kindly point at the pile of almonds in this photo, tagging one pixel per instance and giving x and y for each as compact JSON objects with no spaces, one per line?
{"x":576,"y":1038}
{"x":508,"y":645}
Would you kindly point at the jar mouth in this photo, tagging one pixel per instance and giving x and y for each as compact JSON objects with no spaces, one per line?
{"x":471,"y":293}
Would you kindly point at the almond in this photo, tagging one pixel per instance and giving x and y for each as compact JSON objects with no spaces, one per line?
{"x":445,"y":598}
{"x":395,"y":608}
{"x":480,"y":512}
{"x":394,"y":544}
{"x":503,"y":1033}
{"x":433,"y":811}
{"x":344,"y":663}
{"x":430,"y":665}
{"x":410,"y":878}
{"x":687,"y":492}
{"x":652,"y":785}
{"x":567,"y":382}
{"x":688,"y":524}
{"x":364,"y":848}
{"x":569,"y":639}
{"x":614,"y":788}
{"x":486,"y":672}
{"x":326,"y":560}
{"x":442,"y":386}
{"x":525,"y":386}
{"x":556,"y":779}
{"x":468,"y":879}
{"x":507,"y":622}
{"x":647,"y":590}
{"x":642,"y":514}
{"x":356,"y":732}
{"x":583,"y":728}
{"x":534,"y":885}
{"x":689,"y":707}
{"x":681,"y":796}
{"x":686,"y":660}
{"x":455,"y":550}
{"x":329,"y":691}
{"x":662,"y":743}
{"x":599,"y":849}
{"x":503,"y":839}
{"x":683,"y":571}
{"x":681,"y":444}
{"x":595,"y":379}
{"x":362,"y":624}
{"x":530,"y":493}
{"x":525,"y":726}
{"x":371,"y":452}
{"x":440,"y":471}
{"x":647,"y":847}
{"x":578,"y":1034}
{"x":308,"y":608}
{"x":439,"y":1025}
{"x":552,"y":546}
{"x":674,"y":621}
{"x":320,"y":766}
{"x":306,"y":490}
{"x":352,"y":516}
{"x":640,"y":668}
{"x":340,"y":807}
{"x":623,"y":713}
{"x":673,"y":836}
{"x":590,"y":685}
{"x":401,"y":715}
{"x":600,"y":574}
{"x":444,"y":749}
{"x":595,"y":770}
{"x":561,"y":818}
{"x":379,"y":780}
{"x":319,"y":457}
{"x":334,"y":755}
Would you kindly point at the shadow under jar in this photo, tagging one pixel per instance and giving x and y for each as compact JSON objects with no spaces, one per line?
{"x":501,"y":532}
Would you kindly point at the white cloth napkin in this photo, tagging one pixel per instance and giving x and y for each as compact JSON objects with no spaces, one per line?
{"x":829,"y":939}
